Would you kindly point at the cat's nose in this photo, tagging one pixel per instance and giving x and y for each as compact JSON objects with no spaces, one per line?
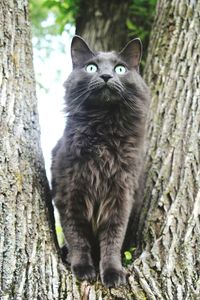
{"x":106,"y":77}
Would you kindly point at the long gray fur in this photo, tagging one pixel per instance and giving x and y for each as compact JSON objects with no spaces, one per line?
{"x":98,"y":161}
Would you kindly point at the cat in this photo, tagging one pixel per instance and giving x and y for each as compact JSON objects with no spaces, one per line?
{"x":97,"y":163}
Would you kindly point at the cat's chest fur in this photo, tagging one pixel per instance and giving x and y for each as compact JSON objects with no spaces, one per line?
{"x":105,"y":141}
{"x":101,"y":156}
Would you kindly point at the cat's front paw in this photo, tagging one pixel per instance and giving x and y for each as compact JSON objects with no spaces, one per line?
{"x":112,"y":277}
{"x":84,"y":272}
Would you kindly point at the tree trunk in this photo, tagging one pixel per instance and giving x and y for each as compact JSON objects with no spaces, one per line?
{"x":168,"y":267}
{"x":103,"y":23}
{"x":28,"y":258}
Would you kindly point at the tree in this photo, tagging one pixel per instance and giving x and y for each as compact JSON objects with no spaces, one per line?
{"x":168,"y":266}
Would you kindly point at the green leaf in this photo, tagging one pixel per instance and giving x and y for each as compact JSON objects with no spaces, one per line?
{"x":60,"y":235}
{"x":128,"y":255}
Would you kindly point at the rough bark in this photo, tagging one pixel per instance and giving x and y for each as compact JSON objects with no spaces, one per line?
{"x":170,"y":263}
{"x":28,"y":259}
{"x":103,"y":23}
{"x":168,"y":267}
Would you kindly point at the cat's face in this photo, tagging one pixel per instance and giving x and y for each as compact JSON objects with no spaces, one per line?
{"x":103,"y":77}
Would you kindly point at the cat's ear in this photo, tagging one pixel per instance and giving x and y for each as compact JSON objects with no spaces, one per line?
{"x":132,"y":53}
{"x":80,"y":51}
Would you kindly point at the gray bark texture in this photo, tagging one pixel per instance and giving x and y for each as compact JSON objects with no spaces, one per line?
{"x":168,"y":266}
{"x":28,"y":259}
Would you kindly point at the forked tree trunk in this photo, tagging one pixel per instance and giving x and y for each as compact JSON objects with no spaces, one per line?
{"x":168,"y":267}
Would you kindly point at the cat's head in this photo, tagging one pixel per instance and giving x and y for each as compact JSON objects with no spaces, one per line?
{"x":104,"y":78}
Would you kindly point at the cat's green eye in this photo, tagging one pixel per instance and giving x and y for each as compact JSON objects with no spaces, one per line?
{"x":120,"y":69}
{"x":91,"y":68}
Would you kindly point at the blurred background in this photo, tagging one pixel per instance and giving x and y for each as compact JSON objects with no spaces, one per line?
{"x":52,"y":66}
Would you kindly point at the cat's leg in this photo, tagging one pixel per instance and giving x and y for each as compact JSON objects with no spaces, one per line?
{"x":78,"y":234}
{"x":111,"y":237}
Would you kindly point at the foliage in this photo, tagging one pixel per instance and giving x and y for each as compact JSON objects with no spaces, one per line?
{"x":140,"y":17}
{"x":49,"y":17}
{"x":64,"y":12}
{"x":140,"y":21}
{"x":60,"y":235}
{"x":128,"y":256}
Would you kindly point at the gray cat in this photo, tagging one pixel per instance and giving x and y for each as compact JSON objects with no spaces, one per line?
{"x":97,"y":162}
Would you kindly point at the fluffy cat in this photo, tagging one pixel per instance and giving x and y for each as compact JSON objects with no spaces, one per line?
{"x":97,"y":163}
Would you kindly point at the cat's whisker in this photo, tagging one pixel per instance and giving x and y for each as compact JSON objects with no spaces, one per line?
{"x":85,"y":91}
{"x":78,"y":91}
{"x":129,"y":104}
{"x":84,"y":94}
{"x":128,"y":97}
{"x":95,"y":85}
{"x":116,"y":87}
{"x":81,"y":102}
